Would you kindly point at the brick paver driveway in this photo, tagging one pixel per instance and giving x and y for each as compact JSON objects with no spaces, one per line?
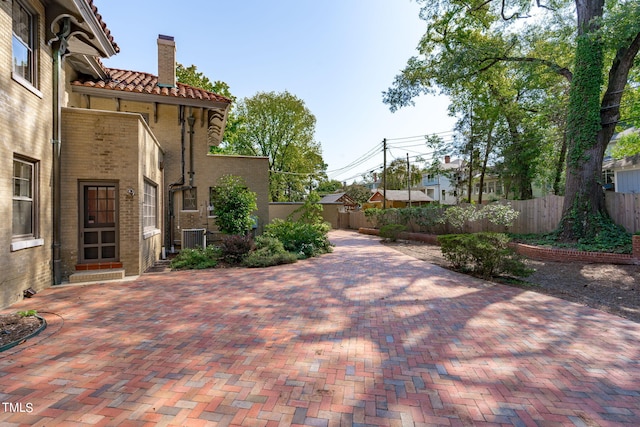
{"x":362,"y":336}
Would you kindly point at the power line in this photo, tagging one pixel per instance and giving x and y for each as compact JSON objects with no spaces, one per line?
{"x":420,"y":136}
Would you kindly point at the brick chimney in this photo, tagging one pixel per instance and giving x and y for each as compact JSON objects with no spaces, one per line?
{"x":166,"y":61}
{"x":447,"y":159}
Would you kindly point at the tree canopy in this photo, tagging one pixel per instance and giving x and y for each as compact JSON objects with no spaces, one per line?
{"x":280,"y":127}
{"x":539,"y":65}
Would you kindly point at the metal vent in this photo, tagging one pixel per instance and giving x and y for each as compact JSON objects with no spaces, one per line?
{"x":194,"y":238}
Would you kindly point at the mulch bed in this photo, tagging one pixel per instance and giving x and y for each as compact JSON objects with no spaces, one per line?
{"x":14,"y":327}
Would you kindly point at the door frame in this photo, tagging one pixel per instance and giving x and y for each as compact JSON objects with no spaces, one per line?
{"x":81,"y":220}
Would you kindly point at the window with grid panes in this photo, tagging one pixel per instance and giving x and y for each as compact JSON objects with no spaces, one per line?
{"x":189,"y":199}
{"x":150,"y":206}
{"x":24,"y":198}
{"x":24,"y":43}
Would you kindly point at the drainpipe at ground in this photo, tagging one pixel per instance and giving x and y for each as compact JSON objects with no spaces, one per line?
{"x":59,"y":49}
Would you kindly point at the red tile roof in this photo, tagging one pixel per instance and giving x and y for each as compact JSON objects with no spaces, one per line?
{"x":107,"y":32}
{"x":138,"y":82}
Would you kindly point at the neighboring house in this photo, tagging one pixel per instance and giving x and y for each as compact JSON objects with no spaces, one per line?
{"x":622,"y":175}
{"x":102,"y":168}
{"x":492,"y":189}
{"x":398,"y":198}
{"x":444,"y":187}
{"x":343,"y":199}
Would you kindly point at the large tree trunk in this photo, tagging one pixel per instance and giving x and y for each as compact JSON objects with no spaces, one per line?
{"x":591,"y":125}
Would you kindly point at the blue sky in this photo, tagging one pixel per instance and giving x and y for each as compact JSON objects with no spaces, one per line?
{"x":336,"y":55}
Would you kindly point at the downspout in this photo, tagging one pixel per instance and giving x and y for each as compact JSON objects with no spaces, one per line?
{"x":59,"y":49}
{"x":176,"y":186}
{"x":191,"y":119}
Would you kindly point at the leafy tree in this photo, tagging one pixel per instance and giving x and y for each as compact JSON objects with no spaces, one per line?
{"x":359,"y":193}
{"x":192,"y":77}
{"x":627,"y":145}
{"x":233,"y":205}
{"x":396,"y":178}
{"x":602,"y":38}
{"x":279,"y":126}
{"x":327,"y":187}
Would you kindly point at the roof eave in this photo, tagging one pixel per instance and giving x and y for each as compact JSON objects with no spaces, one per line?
{"x":87,"y":34}
{"x":149,"y":97}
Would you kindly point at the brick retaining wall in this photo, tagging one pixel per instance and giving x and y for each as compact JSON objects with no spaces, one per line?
{"x":540,"y":253}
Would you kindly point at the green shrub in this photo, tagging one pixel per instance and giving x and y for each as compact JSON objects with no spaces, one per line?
{"x":482,"y":254}
{"x":374,"y":215}
{"x":428,"y":217}
{"x":310,"y":211}
{"x":28,"y":313}
{"x":304,"y":240}
{"x":499,"y":214}
{"x":459,"y":216}
{"x":391,"y":231}
{"x":196,"y":258}
{"x":235,"y":247}
{"x":269,"y":251}
{"x":233,"y":204}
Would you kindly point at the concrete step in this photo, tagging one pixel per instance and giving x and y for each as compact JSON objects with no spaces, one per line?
{"x":160,"y":266}
{"x":97,"y":275}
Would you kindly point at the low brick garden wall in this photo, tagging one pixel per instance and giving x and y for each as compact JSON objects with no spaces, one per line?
{"x":539,"y":253}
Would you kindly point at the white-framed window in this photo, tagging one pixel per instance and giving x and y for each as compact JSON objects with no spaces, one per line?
{"x":190,"y":199}
{"x":25,"y":199}
{"x":150,"y":206}
{"x":24,"y":44}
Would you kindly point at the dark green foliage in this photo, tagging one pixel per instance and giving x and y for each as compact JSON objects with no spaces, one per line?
{"x":359,"y":193}
{"x":482,"y":254}
{"x":304,"y":240}
{"x":610,"y":238}
{"x":391,"y":231}
{"x":382,"y":217}
{"x":269,"y":251}
{"x":196,"y":258}
{"x":310,"y":212}
{"x":233,"y":204}
{"x":235,"y":248}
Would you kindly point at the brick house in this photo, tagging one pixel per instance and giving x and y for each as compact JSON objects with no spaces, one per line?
{"x":102,"y":168}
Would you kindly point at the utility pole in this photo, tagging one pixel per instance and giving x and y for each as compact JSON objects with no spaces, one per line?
{"x":384,"y":174}
{"x":470,"y":185}
{"x":409,"y":179}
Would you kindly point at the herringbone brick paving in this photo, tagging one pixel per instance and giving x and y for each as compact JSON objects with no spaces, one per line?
{"x":362,"y":336}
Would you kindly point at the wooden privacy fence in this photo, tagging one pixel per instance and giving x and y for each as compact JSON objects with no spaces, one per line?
{"x":537,"y":216}
{"x":624,"y":209}
{"x":541,"y":215}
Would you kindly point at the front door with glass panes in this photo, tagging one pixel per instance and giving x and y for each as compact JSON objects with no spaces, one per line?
{"x":98,"y":223}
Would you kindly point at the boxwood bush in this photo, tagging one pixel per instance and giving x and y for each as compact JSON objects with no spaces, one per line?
{"x":303,"y":239}
{"x":482,"y":254}
{"x":269,"y":251}
{"x":196,"y":258}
